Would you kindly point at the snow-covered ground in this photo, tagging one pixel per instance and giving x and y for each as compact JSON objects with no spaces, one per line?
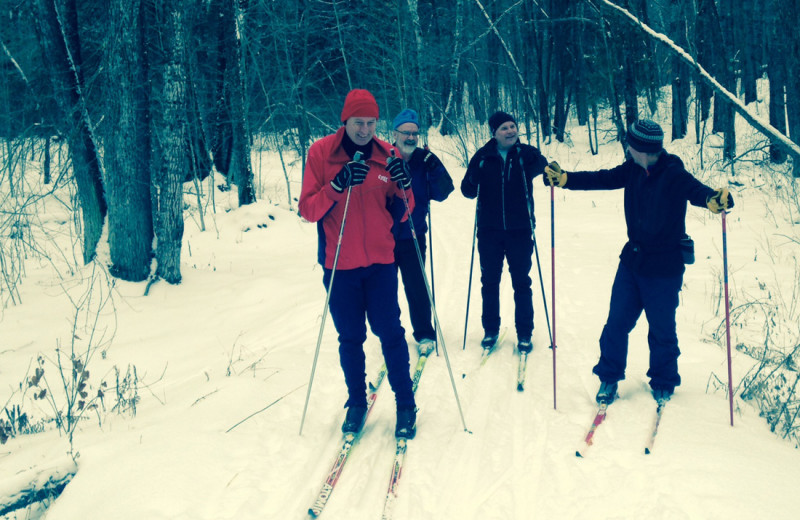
{"x":238,"y":335}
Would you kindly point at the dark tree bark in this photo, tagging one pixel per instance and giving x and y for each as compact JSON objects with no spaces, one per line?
{"x":542,"y":40}
{"x":681,"y":75}
{"x":452,"y":102}
{"x":242,"y":162}
{"x":168,"y":109}
{"x":231,"y":140}
{"x":750,"y":43}
{"x":789,"y":11}
{"x":562,"y":63}
{"x":705,"y":45}
{"x":61,"y":51}
{"x":724,"y":115}
{"x":130,"y":225}
{"x":629,"y":46}
{"x":777,"y":56}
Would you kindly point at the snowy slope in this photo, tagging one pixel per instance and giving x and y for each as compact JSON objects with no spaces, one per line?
{"x":239,"y":334}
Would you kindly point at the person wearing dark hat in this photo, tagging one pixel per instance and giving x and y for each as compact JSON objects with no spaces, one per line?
{"x":336,"y":181}
{"x":500,"y":175}
{"x":649,"y":276}
{"x":429,"y":181}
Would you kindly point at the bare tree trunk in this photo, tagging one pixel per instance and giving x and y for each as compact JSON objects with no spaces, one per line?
{"x":420,"y":82}
{"x":58,"y":23}
{"x":681,"y":89}
{"x":777,"y":55}
{"x":243,"y":171}
{"x":169,"y":128}
{"x":749,"y":31}
{"x":681,"y":75}
{"x":46,"y":161}
{"x":705,"y":55}
{"x":724,"y":115}
{"x":562,"y":68}
{"x":454,"y":88}
{"x":790,"y":11}
{"x":130,"y":225}
{"x":231,"y":141}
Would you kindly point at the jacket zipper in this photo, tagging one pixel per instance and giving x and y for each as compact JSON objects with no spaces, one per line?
{"x":503,"y":190}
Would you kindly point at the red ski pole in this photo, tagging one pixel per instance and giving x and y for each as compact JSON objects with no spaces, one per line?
{"x":727,"y":311}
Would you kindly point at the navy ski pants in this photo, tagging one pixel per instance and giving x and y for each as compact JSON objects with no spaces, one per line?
{"x":369,"y":294}
{"x":419,"y":305}
{"x":515,"y":246}
{"x":658,"y":298}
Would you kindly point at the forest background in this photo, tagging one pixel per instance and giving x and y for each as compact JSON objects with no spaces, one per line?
{"x":144,"y":95}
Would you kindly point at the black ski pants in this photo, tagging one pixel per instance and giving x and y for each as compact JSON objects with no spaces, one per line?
{"x":515,"y":247}
{"x":419,"y":305}
{"x":658,"y":298}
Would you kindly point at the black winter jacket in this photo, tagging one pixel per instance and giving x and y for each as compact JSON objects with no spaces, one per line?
{"x":655,"y":209}
{"x":428,"y":185}
{"x":505,"y":199}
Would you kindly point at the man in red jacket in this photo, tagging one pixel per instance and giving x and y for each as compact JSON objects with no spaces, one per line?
{"x":354,"y":171}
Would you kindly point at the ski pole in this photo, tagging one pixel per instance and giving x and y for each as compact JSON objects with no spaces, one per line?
{"x":471,"y":264}
{"x":553,"y":280}
{"x":433,"y":308}
{"x":430,"y":248}
{"x":529,"y":203}
{"x":356,"y":158}
{"x":727,"y":312}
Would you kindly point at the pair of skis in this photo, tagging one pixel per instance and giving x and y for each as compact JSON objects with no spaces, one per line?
{"x":600,"y":416}
{"x":350,"y":441}
{"x":522,"y":365}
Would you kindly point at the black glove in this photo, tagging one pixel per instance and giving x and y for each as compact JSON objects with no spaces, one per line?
{"x":398,"y":171}
{"x":352,"y":174}
{"x":475,"y":173}
{"x":432,"y":163}
{"x":722,"y":200}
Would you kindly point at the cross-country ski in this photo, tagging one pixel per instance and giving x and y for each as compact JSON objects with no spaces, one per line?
{"x":490,"y":344}
{"x":350,"y":440}
{"x":588,"y":440}
{"x":651,"y":439}
{"x":522,"y":368}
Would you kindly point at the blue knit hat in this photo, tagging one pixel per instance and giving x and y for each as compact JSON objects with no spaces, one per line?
{"x":406,"y":116}
{"x":645,"y":136}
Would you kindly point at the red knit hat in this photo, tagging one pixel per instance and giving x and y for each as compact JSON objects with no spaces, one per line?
{"x":359,"y":103}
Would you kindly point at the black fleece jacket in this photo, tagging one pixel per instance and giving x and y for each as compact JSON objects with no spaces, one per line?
{"x":505,"y":198}
{"x":655,"y":209}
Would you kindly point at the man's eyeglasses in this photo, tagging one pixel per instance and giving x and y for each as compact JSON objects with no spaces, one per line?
{"x":408,"y":134}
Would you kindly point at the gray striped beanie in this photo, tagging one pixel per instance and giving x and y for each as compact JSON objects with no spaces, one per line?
{"x":645,"y":136}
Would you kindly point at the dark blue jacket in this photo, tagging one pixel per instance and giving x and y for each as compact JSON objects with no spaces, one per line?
{"x":434,"y":184}
{"x":655,"y":209}
{"x":505,"y":199}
